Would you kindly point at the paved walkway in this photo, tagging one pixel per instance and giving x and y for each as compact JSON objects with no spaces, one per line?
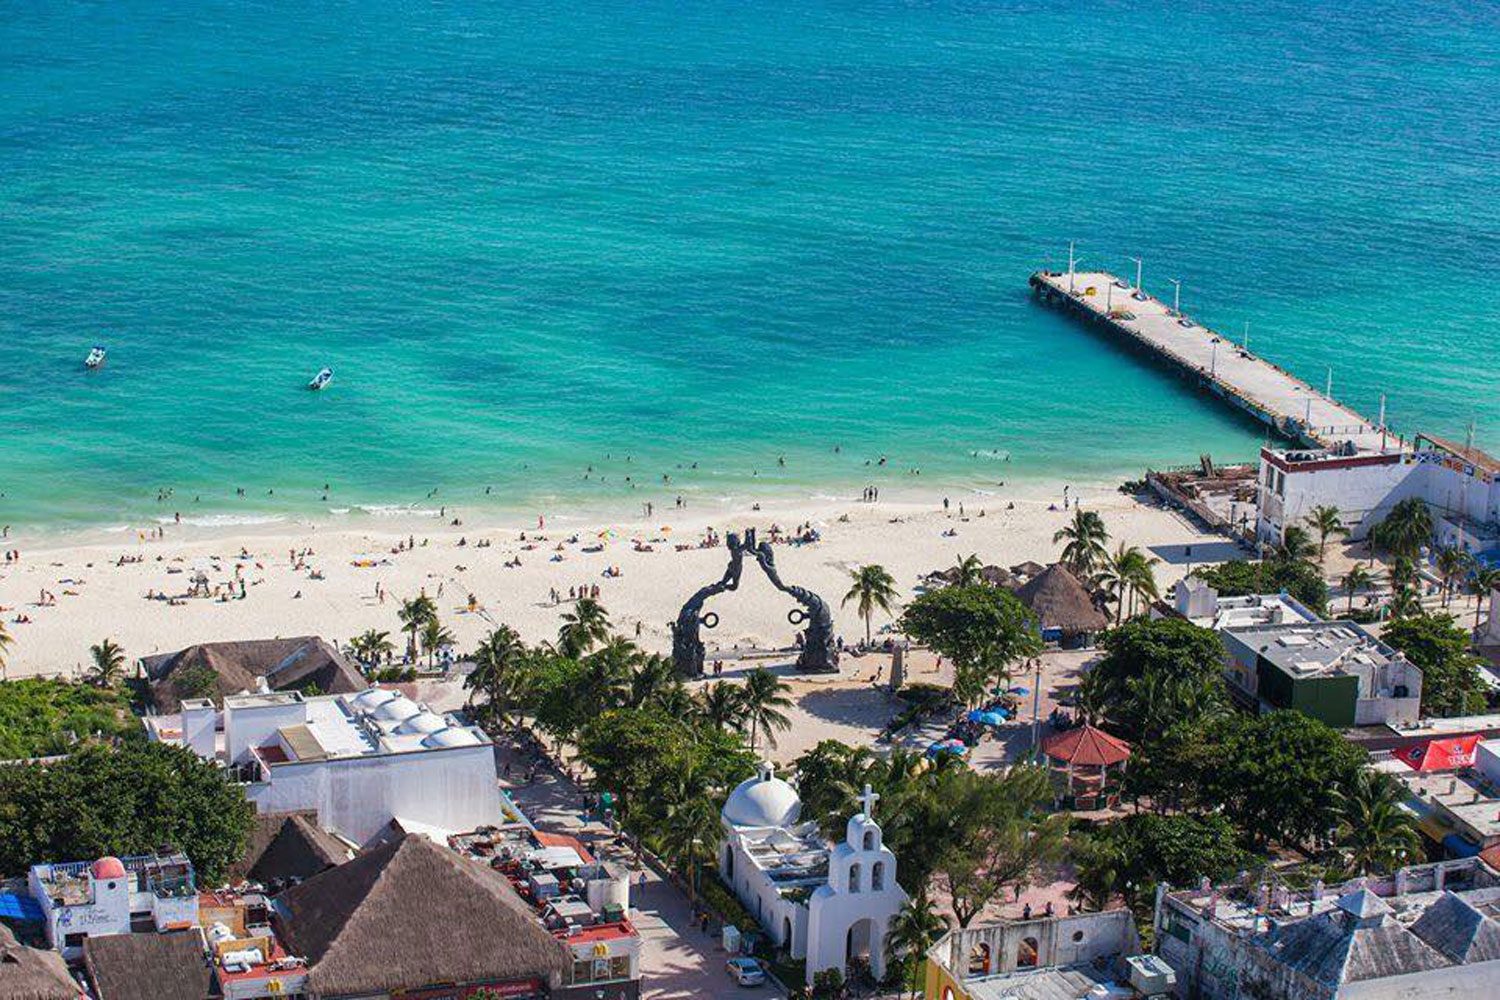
{"x":678,"y":961}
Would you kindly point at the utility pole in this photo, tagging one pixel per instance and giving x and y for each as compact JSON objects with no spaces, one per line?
{"x":1070,"y":267}
{"x":1213,"y":364}
{"x":1329,"y":391}
{"x":1246,"y":344}
{"x":1138,"y":265}
{"x":1036,"y":709}
{"x":1382,"y":421}
{"x":1176,"y":296}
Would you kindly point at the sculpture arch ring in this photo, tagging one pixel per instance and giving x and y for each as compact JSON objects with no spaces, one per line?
{"x":796,"y":616}
{"x":710,"y":620}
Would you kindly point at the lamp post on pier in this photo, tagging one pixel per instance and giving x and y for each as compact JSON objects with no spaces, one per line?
{"x":1070,"y":267}
{"x":1246,"y":344}
{"x":1138,"y":266}
{"x":1176,"y":296}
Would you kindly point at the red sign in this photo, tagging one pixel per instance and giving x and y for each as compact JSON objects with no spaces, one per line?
{"x":1451,"y":754}
{"x":521,"y":991}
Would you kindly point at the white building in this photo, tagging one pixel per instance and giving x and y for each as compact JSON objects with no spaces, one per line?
{"x":1460,"y":485}
{"x":825,"y":905}
{"x":359,"y":760}
{"x":84,"y":899}
{"x":1201,"y":604}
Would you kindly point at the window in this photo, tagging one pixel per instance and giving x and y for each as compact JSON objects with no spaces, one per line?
{"x":869,"y":840}
{"x":1026,"y":953}
{"x":877,"y":876}
{"x":619,"y":967}
{"x":1077,"y":936}
{"x":854,"y":877}
{"x":74,"y":940}
{"x":979,"y":960}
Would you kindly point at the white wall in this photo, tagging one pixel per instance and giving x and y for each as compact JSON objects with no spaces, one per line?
{"x":249,"y":726}
{"x":452,"y":789}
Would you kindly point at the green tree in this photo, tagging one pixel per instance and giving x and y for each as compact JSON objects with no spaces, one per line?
{"x":1326,"y":523}
{"x":1485,"y":581}
{"x":41,"y":717}
{"x":1086,"y":538}
{"x":720,"y":705}
{"x":1240,"y":577}
{"x":1452,"y":565}
{"x":1278,"y":775}
{"x":1375,"y":834}
{"x":414,"y":615}
{"x":966,"y":571}
{"x":1405,"y":529}
{"x":499,"y":675}
{"x":763,"y":697}
{"x":435,"y":636}
{"x":914,"y":929}
{"x":129,"y":799}
{"x":1128,"y":573}
{"x":983,"y":630}
{"x":1155,"y":673}
{"x":371,"y":646}
{"x":108,"y":664}
{"x":583,"y":628}
{"x":1357,"y":579}
{"x":1009,"y":838}
{"x":1295,"y":546}
{"x":872,"y":588}
{"x":690,"y":836}
{"x":1439,"y":648}
{"x":1100,"y":869}
{"x":1129,"y":856}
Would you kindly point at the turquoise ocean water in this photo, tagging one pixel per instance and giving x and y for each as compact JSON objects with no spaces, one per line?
{"x":531,"y":236}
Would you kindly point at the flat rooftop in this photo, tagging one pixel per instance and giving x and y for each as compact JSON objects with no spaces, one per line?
{"x":1465,"y":795}
{"x":1314,"y":649}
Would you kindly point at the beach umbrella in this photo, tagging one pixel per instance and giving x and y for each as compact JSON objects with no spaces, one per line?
{"x":991,"y":718}
{"x":1020,"y":690}
{"x":975,"y":715}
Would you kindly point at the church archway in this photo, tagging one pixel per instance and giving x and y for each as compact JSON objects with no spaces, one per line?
{"x":860,"y":942}
{"x":1026,"y":953}
{"x":979,"y":960}
{"x":786,"y":933}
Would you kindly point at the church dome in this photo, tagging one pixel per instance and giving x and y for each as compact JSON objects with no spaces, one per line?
{"x":764,"y":800}
{"x":107,"y":867}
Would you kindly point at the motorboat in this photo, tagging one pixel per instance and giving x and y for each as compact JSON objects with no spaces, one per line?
{"x":96,"y":357}
{"x":321,"y":379}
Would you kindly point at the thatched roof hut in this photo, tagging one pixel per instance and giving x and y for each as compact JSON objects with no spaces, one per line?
{"x":31,"y":973}
{"x":289,"y":846}
{"x":411,"y":913}
{"x":1061,"y":602}
{"x":286,"y":664}
{"x":170,"y":966}
{"x":1028,"y":569}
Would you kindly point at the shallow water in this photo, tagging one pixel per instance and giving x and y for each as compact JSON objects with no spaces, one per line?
{"x":533,"y":237}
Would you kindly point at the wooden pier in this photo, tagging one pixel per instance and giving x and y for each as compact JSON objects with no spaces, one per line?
{"x":1212,"y":361}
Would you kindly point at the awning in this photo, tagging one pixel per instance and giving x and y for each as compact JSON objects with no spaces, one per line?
{"x":1440,"y":755}
{"x":1459,"y":847}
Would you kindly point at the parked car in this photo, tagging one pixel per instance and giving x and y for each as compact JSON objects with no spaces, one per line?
{"x":745,"y":971}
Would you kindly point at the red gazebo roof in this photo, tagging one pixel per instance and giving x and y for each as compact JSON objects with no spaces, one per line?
{"x":1086,"y":745}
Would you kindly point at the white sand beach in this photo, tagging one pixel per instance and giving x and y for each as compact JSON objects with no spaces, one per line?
{"x":332,"y":591}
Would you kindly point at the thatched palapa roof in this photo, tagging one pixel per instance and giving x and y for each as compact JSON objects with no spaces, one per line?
{"x":411,"y":913}
{"x":284,"y":663}
{"x":1061,"y":602}
{"x":1027,"y":568}
{"x":289,"y":846}
{"x":31,"y":973}
{"x":172,"y":966}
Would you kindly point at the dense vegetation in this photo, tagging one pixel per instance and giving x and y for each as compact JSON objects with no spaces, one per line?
{"x":130,"y":799}
{"x":41,"y":717}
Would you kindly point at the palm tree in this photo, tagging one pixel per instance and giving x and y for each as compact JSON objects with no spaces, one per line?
{"x":653,"y":676}
{"x":1126,"y":574}
{"x":1086,"y":537}
{"x":1405,"y":529}
{"x":1404,"y":603}
{"x":370,"y":646}
{"x":873,"y":587}
{"x":1358,"y":578}
{"x":583,"y":628}
{"x":1402,"y":574}
{"x":414,"y":614}
{"x":763,"y":697}
{"x":607,"y":676}
{"x":5,"y":642}
{"x":1374,"y":833}
{"x":109,"y":664}
{"x":691,"y":836}
{"x":496,"y":665}
{"x":966,"y":570}
{"x":435,"y":635}
{"x":1325,"y":520}
{"x":1296,"y":545}
{"x":1099,"y":872}
{"x":912,"y":931}
{"x":1485,"y":581}
{"x":722,"y":706}
{"x":1452,"y":563}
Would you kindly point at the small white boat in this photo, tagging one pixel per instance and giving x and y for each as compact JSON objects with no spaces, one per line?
{"x":321,"y":379}
{"x":96,"y":357}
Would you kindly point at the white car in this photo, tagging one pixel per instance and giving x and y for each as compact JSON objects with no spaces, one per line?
{"x":745,"y":971}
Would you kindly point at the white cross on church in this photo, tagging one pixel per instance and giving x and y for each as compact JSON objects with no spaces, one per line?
{"x":869,"y":798}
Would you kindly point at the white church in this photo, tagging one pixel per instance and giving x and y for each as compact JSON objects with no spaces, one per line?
{"x":826,"y":905}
